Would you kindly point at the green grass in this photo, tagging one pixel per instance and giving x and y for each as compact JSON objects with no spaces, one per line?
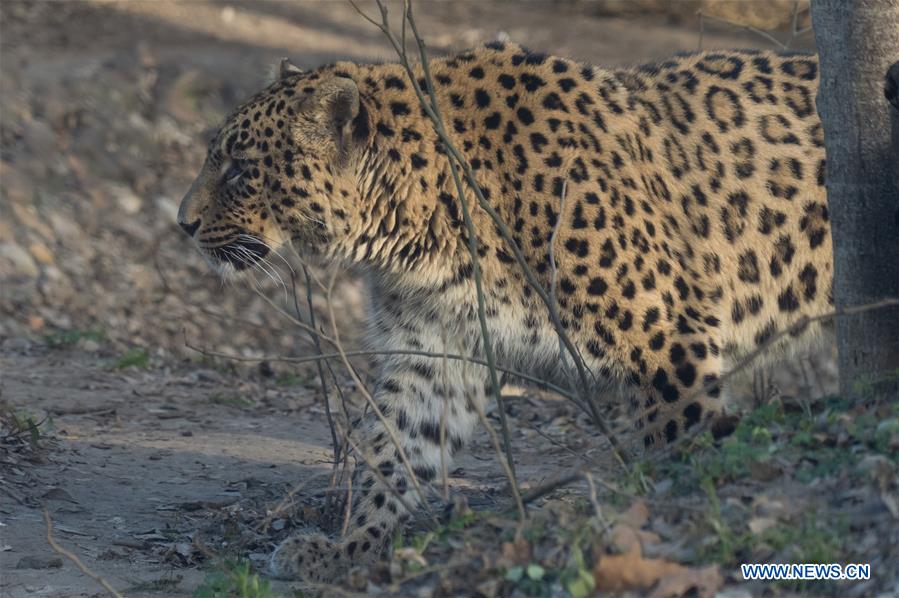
{"x":230,"y":400}
{"x":21,"y":423}
{"x":67,"y":338}
{"x":134,"y":358}
{"x":291,"y":379}
{"x":235,"y":579}
{"x":808,"y":446}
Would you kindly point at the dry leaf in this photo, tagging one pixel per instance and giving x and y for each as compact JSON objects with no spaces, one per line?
{"x":624,"y":538}
{"x":622,"y":572}
{"x":637,"y":515}
{"x":704,"y":582}
{"x":627,"y":539}
{"x":630,"y":571}
{"x":517,"y":552}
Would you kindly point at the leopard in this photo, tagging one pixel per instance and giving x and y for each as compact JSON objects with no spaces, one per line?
{"x":677,"y":211}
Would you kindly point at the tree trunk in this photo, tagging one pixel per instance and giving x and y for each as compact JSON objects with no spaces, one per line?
{"x":857,"y":42}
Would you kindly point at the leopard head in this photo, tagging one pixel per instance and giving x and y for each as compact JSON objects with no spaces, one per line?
{"x":278,"y":171}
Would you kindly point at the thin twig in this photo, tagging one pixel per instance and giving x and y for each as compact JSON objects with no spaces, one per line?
{"x":553,"y":269}
{"x":348,"y":506}
{"x":458,"y":159}
{"x":74,"y":558}
{"x":539,"y":382}
{"x":797,"y":327}
{"x":384,"y":482}
{"x":795,"y":32}
{"x":574,"y":453}
{"x":285,"y":501}
{"x":749,"y":28}
{"x":597,"y":510}
{"x":444,"y":414}
{"x":472,"y":235}
{"x":318,"y":350}
{"x":388,"y":427}
{"x":554,"y":484}
{"x":516,"y":494}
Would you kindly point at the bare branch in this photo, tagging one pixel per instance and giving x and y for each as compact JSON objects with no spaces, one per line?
{"x":540,"y":383}
{"x":74,"y":558}
{"x":388,"y":427}
{"x":432,"y":111}
{"x":469,"y":225}
{"x":797,"y":327}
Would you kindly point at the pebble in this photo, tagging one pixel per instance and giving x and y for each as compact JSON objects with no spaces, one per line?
{"x":39,"y":562}
{"x":16,"y":262}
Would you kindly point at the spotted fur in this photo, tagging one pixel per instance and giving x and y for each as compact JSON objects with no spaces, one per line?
{"x":694,"y":227}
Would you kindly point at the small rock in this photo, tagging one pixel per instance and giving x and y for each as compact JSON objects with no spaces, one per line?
{"x":17,"y":344}
{"x":168,"y":207}
{"x":759,"y":525}
{"x":58,"y":494}
{"x":89,"y":345}
{"x":41,"y":253}
{"x":16,"y":262}
{"x":208,"y":376}
{"x":39,"y":562}
{"x":127,"y":199}
{"x":39,"y":138}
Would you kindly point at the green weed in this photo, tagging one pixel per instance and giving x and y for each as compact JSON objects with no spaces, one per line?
{"x":231,"y":401}
{"x":68,"y":338}
{"x":135,"y":358}
{"x":234,"y":579}
{"x":21,"y":423}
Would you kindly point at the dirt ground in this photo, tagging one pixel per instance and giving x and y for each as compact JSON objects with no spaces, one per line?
{"x":149,"y":451}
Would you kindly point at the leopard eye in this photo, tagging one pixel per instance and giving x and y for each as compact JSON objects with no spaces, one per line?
{"x":231,"y":172}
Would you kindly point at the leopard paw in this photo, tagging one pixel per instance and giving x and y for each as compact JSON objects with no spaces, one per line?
{"x":309,"y":557}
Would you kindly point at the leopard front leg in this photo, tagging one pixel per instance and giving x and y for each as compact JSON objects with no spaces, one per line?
{"x":414,"y":395}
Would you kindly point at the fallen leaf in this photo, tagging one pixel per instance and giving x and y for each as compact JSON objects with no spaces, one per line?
{"x":517,"y":552}
{"x":704,"y":582}
{"x":631,"y":571}
{"x":637,"y":515}
{"x":627,"y":539}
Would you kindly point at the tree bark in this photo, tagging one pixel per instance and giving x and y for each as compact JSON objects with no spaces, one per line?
{"x":857,"y":42}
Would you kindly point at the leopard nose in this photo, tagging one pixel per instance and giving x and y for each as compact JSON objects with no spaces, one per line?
{"x":190,"y":227}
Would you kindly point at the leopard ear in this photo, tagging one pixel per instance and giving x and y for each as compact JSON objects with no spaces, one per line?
{"x":328,"y":113}
{"x":341,"y":96}
{"x":336,"y":99}
{"x":287,"y":69}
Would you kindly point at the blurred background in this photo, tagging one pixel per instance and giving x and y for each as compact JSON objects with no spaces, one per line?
{"x":106,"y":107}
